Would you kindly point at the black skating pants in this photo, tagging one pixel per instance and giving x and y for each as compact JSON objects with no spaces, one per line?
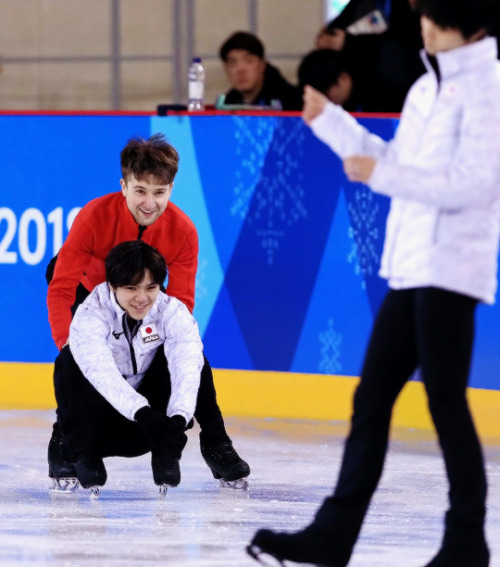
{"x":433,"y":330}
{"x":91,"y":425}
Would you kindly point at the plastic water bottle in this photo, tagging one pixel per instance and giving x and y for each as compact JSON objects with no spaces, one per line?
{"x":196,"y":86}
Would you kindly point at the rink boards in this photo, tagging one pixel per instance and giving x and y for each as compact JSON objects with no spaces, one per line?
{"x":287,"y":284}
{"x":245,"y":393}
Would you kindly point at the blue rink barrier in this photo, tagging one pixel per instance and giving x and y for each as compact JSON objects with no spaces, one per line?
{"x":289,"y":249}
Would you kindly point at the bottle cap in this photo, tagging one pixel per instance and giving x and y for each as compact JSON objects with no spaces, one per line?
{"x":196,"y":59}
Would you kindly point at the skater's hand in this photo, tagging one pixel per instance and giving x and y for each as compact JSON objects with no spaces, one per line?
{"x":359,"y":168}
{"x":314,"y":104}
{"x":179,"y":423}
{"x":177,"y":439}
{"x":158,"y":428}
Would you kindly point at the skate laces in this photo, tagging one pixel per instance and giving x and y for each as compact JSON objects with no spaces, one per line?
{"x":223,"y":453}
{"x":57,"y":441}
{"x":60,"y":448}
{"x":57,"y":450}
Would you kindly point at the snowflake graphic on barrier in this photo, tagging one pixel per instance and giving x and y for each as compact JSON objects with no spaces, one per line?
{"x":330,"y":350}
{"x":279,"y":198}
{"x":364,"y":233}
{"x":252,"y":144}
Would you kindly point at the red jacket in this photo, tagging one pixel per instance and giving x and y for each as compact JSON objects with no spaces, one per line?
{"x":100,"y":225}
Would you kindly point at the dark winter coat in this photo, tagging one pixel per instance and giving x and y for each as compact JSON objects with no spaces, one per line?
{"x":275,"y":87}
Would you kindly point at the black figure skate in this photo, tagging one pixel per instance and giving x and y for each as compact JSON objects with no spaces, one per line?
{"x":91,"y":473}
{"x":306,"y":546}
{"x":61,"y":468}
{"x":166,"y":472}
{"x":226,"y":465}
{"x":462,"y":556}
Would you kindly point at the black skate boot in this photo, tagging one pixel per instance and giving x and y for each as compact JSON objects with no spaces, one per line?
{"x":308,"y":546}
{"x":91,"y":472}
{"x":464,"y":543}
{"x":166,"y":472}
{"x":327,"y":542}
{"x":61,"y":468}
{"x":226,"y":465}
{"x":461,"y":557}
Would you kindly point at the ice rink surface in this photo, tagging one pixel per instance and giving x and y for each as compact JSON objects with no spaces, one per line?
{"x":294,"y":466}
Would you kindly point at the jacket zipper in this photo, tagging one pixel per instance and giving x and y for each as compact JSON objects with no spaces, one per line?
{"x":132,"y":354}
{"x":129,"y":337}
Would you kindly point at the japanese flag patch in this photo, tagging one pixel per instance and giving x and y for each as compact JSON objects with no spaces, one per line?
{"x":149,"y":333}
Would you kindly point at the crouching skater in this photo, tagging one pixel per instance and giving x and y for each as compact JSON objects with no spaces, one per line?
{"x":127,"y":382}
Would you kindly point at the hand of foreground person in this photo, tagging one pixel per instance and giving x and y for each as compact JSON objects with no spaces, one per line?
{"x":334,"y":39}
{"x":359,"y":168}
{"x":314,"y":104}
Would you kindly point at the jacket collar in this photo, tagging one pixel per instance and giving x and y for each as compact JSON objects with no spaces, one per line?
{"x":462,"y":59}
{"x":130,"y":222}
{"x":117,"y":309}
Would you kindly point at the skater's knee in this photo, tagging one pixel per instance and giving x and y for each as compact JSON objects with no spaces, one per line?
{"x":65,"y":361}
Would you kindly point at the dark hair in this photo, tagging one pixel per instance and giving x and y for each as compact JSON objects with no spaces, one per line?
{"x":322,"y":68}
{"x":468,"y":16}
{"x":242,"y":40}
{"x":154,"y":157}
{"x":128,"y":262}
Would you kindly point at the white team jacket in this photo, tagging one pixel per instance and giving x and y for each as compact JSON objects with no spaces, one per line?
{"x":115,"y":367}
{"x":442,"y":170}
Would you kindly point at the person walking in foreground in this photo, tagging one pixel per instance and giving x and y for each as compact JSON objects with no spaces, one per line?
{"x":440,"y":258}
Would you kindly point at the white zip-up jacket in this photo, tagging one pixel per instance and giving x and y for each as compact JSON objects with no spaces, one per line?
{"x":115,"y":363}
{"x":442,"y":170}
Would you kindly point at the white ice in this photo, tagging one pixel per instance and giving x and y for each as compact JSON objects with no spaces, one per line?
{"x":294,"y":466}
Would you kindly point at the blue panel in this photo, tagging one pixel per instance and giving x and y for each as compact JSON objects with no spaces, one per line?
{"x":273,"y":269}
{"x":486,"y":358}
{"x":189,"y":195}
{"x":339,"y":318}
{"x":50,"y":165}
{"x":367,"y":213}
{"x":383,"y":127}
{"x":223,"y":340}
{"x":231,"y":152}
{"x":289,"y":249}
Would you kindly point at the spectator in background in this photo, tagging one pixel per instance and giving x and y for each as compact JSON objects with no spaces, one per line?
{"x":254,"y":81}
{"x":329,"y":72}
{"x":385,"y":64}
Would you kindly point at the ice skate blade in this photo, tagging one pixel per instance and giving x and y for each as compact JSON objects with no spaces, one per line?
{"x":256,"y":553}
{"x":163,"y":489}
{"x":64,"y":485}
{"x":95,"y":491}
{"x":240,"y":484}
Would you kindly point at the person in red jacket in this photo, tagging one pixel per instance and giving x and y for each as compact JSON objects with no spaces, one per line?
{"x":141,"y":210}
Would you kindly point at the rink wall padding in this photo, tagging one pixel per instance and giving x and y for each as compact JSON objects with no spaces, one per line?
{"x":286,"y":395}
{"x":287,"y":283}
